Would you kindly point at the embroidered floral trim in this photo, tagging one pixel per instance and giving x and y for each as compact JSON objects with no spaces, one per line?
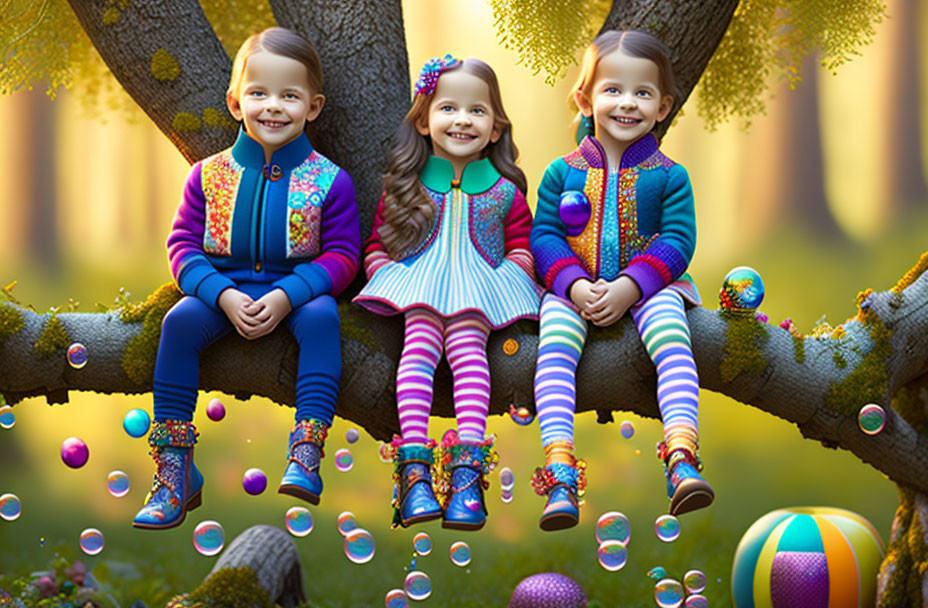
{"x":173,"y":433}
{"x":671,"y":459}
{"x":454,"y":453}
{"x":309,"y":431}
{"x":544,"y":479}
{"x":220,"y":179}
{"x":309,"y":186}
{"x":403,"y":453}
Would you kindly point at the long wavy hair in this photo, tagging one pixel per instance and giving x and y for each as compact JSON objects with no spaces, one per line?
{"x":408,"y":210}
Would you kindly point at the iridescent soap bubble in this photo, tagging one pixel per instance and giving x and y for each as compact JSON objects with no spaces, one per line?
{"x":506,"y":479}
{"x":742,"y":289}
{"x":396,"y":598}
{"x":422,"y":543}
{"x":351,"y":436}
{"x":696,"y":601}
{"x":668,"y":593}
{"x":117,"y":482}
{"x":871,"y":418}
{"x":418,"y":585}
{"x":694,"y":581}
{"x":667,"y":528}
{"x":657,"y":573}
{"x":74,"y":452}
{"x":10,"y":507}
{"x":347,"y":523}
{"x":506,"y":496}
{"x":254,"y":481}
{"x":299,"y":521}
{"x":91,"y":541}
{"x":215,"y":410}
{"x":521,"y":415}
{"x":612,"y":555}
{"x":613,"y":526}
{"x":460,"y":553}
{"x":359,"y":546}
{"x":208,"y":538}
{"x":627,"y":429}
{"x":7,"y":418}
{"x":136,"y":423}
{"x":77,"y":355}
{"x":343,"y":460}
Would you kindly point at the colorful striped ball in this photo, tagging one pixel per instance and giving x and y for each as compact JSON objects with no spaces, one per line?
{"x":807,"y":557}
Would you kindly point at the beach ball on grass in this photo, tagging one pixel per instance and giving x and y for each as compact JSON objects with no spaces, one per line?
{"x":807,"y":557}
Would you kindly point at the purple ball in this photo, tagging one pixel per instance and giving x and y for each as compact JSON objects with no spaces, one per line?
{"x":548,"y":590}
{"x":74,"y":452}
{"x":574,"y":210}
{"x":215,"y":410}
{"x":254,"y":481}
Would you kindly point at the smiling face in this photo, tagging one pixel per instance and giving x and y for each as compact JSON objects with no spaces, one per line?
{"x":625,"y":101}
{"x":460,"y":119}
{"x":274,"y":100}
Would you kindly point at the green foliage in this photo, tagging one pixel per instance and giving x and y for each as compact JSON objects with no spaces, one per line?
{"x":232,"y":588}
{"x":60,"y":585}
{"x":548,"y":33}
{"x":139,"y":359}
{"x":770,"y":38}
{"x":352,"y":328}
{"x":799,"y":349}
{"x":745,"y":338}
{"x":838,"y":357}
{"x":235,"y":21}
{"x":54,"y":337}
{"x":164,"y":66}
{"x":11,"y":321}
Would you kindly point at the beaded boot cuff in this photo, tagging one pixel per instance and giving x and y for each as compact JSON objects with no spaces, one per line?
{"x":454,"y":453}
{"x":309,"y":431}
{"x":670,"y":459}
{"x":172,"y":433}
{"x":560,"y":474}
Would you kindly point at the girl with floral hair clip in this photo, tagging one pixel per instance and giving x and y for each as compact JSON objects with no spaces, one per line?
{"x":267,"y":232}
{"x":614,"y":232}
{"x":449,"y":250}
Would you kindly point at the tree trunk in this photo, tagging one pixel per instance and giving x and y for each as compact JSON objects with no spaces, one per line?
{"x":168,"y":59}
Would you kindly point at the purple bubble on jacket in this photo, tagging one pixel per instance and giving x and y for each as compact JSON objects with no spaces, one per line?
{"x":574,"y":210}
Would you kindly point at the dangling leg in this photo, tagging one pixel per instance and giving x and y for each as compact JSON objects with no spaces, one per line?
{"x":414,"y":499}
{"x":466,"y":346}
{"x":315,"y":326}
{"x":662,"y":325}
{"x":560,"y":344}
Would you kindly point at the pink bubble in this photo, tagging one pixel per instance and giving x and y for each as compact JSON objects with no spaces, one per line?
{"x":74,"y":452}
{"x":215,"y":410}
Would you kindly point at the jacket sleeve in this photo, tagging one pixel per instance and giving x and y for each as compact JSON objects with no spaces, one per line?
{"x":557,"y":264}
{"x":340,"y":244}
{"x":375,"y":256}
{"x":668,"y":257}
{"x":194,"y":274}
{"x":518,"y":226}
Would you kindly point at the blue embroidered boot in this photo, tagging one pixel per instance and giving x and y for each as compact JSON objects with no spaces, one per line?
{"x":467,"y":464}
{"x":178,"y":484}
{"x":563,"y":484}
{"x":413,"y":496}
{"x":686,"y":488}
{"x":301,"y":477}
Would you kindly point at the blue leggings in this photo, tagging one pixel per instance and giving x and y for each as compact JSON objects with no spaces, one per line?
{"x":191,"y":325}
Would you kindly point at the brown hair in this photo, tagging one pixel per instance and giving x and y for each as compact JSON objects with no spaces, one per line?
{"x":408,"y":209}
{"x":279,"y":41}
{"x":632,"y":42}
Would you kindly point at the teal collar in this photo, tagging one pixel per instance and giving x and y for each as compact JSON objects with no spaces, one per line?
{"x":479,"y":176}
{"x":249,"y":153}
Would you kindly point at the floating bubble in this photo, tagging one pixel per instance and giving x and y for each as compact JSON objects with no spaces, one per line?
{"x":657,"y":573}
{"x":343,"y":460}
{"x":696,"y":601}
{"x":521,"y":416}
{"x":74,"y":452}
{"x":91,"y":541}
{"x":77,"y":355}
{"x":667,"y":528}
{"x":396,"y":598}
{"x":299,"y":521}
{"x":668,"y":593}
{"x":254,"y":481}
{"x":506,"y":496}
{"x":694,"y":581}
{"x":215,"y":410}
{"x":872,"y":419}
{"x":347,"y":523}
{"x":10,"y":507}
{"x":506,"y":479}
{"x":418,"y":585}
{"x":7,"y":418}
{"x":627,"y":429}
{"x":742,"y":289}
{"x":612,"y":555}
{"x":351,"y":436}
{"x":117,"y":483}
{"x":460,"y":553}
{"x":359,"y":546}
{"x":136,"y":423}
{"x":422,"y":543}
{"x":208,"y":538}
{"x":613,"y":526}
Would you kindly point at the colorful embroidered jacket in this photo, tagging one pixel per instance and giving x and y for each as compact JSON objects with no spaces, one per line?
{"x":499,"y":219}
{"x":641,"y":225}
{"x":292,"y":223}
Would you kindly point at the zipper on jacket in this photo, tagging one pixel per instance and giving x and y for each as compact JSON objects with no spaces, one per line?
{"x":256,"y":222}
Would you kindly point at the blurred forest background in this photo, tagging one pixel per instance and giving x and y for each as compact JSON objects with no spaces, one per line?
{"x":824,"y":194}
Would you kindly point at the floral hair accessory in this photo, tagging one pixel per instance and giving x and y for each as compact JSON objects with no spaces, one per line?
{"x":432,"y":69}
